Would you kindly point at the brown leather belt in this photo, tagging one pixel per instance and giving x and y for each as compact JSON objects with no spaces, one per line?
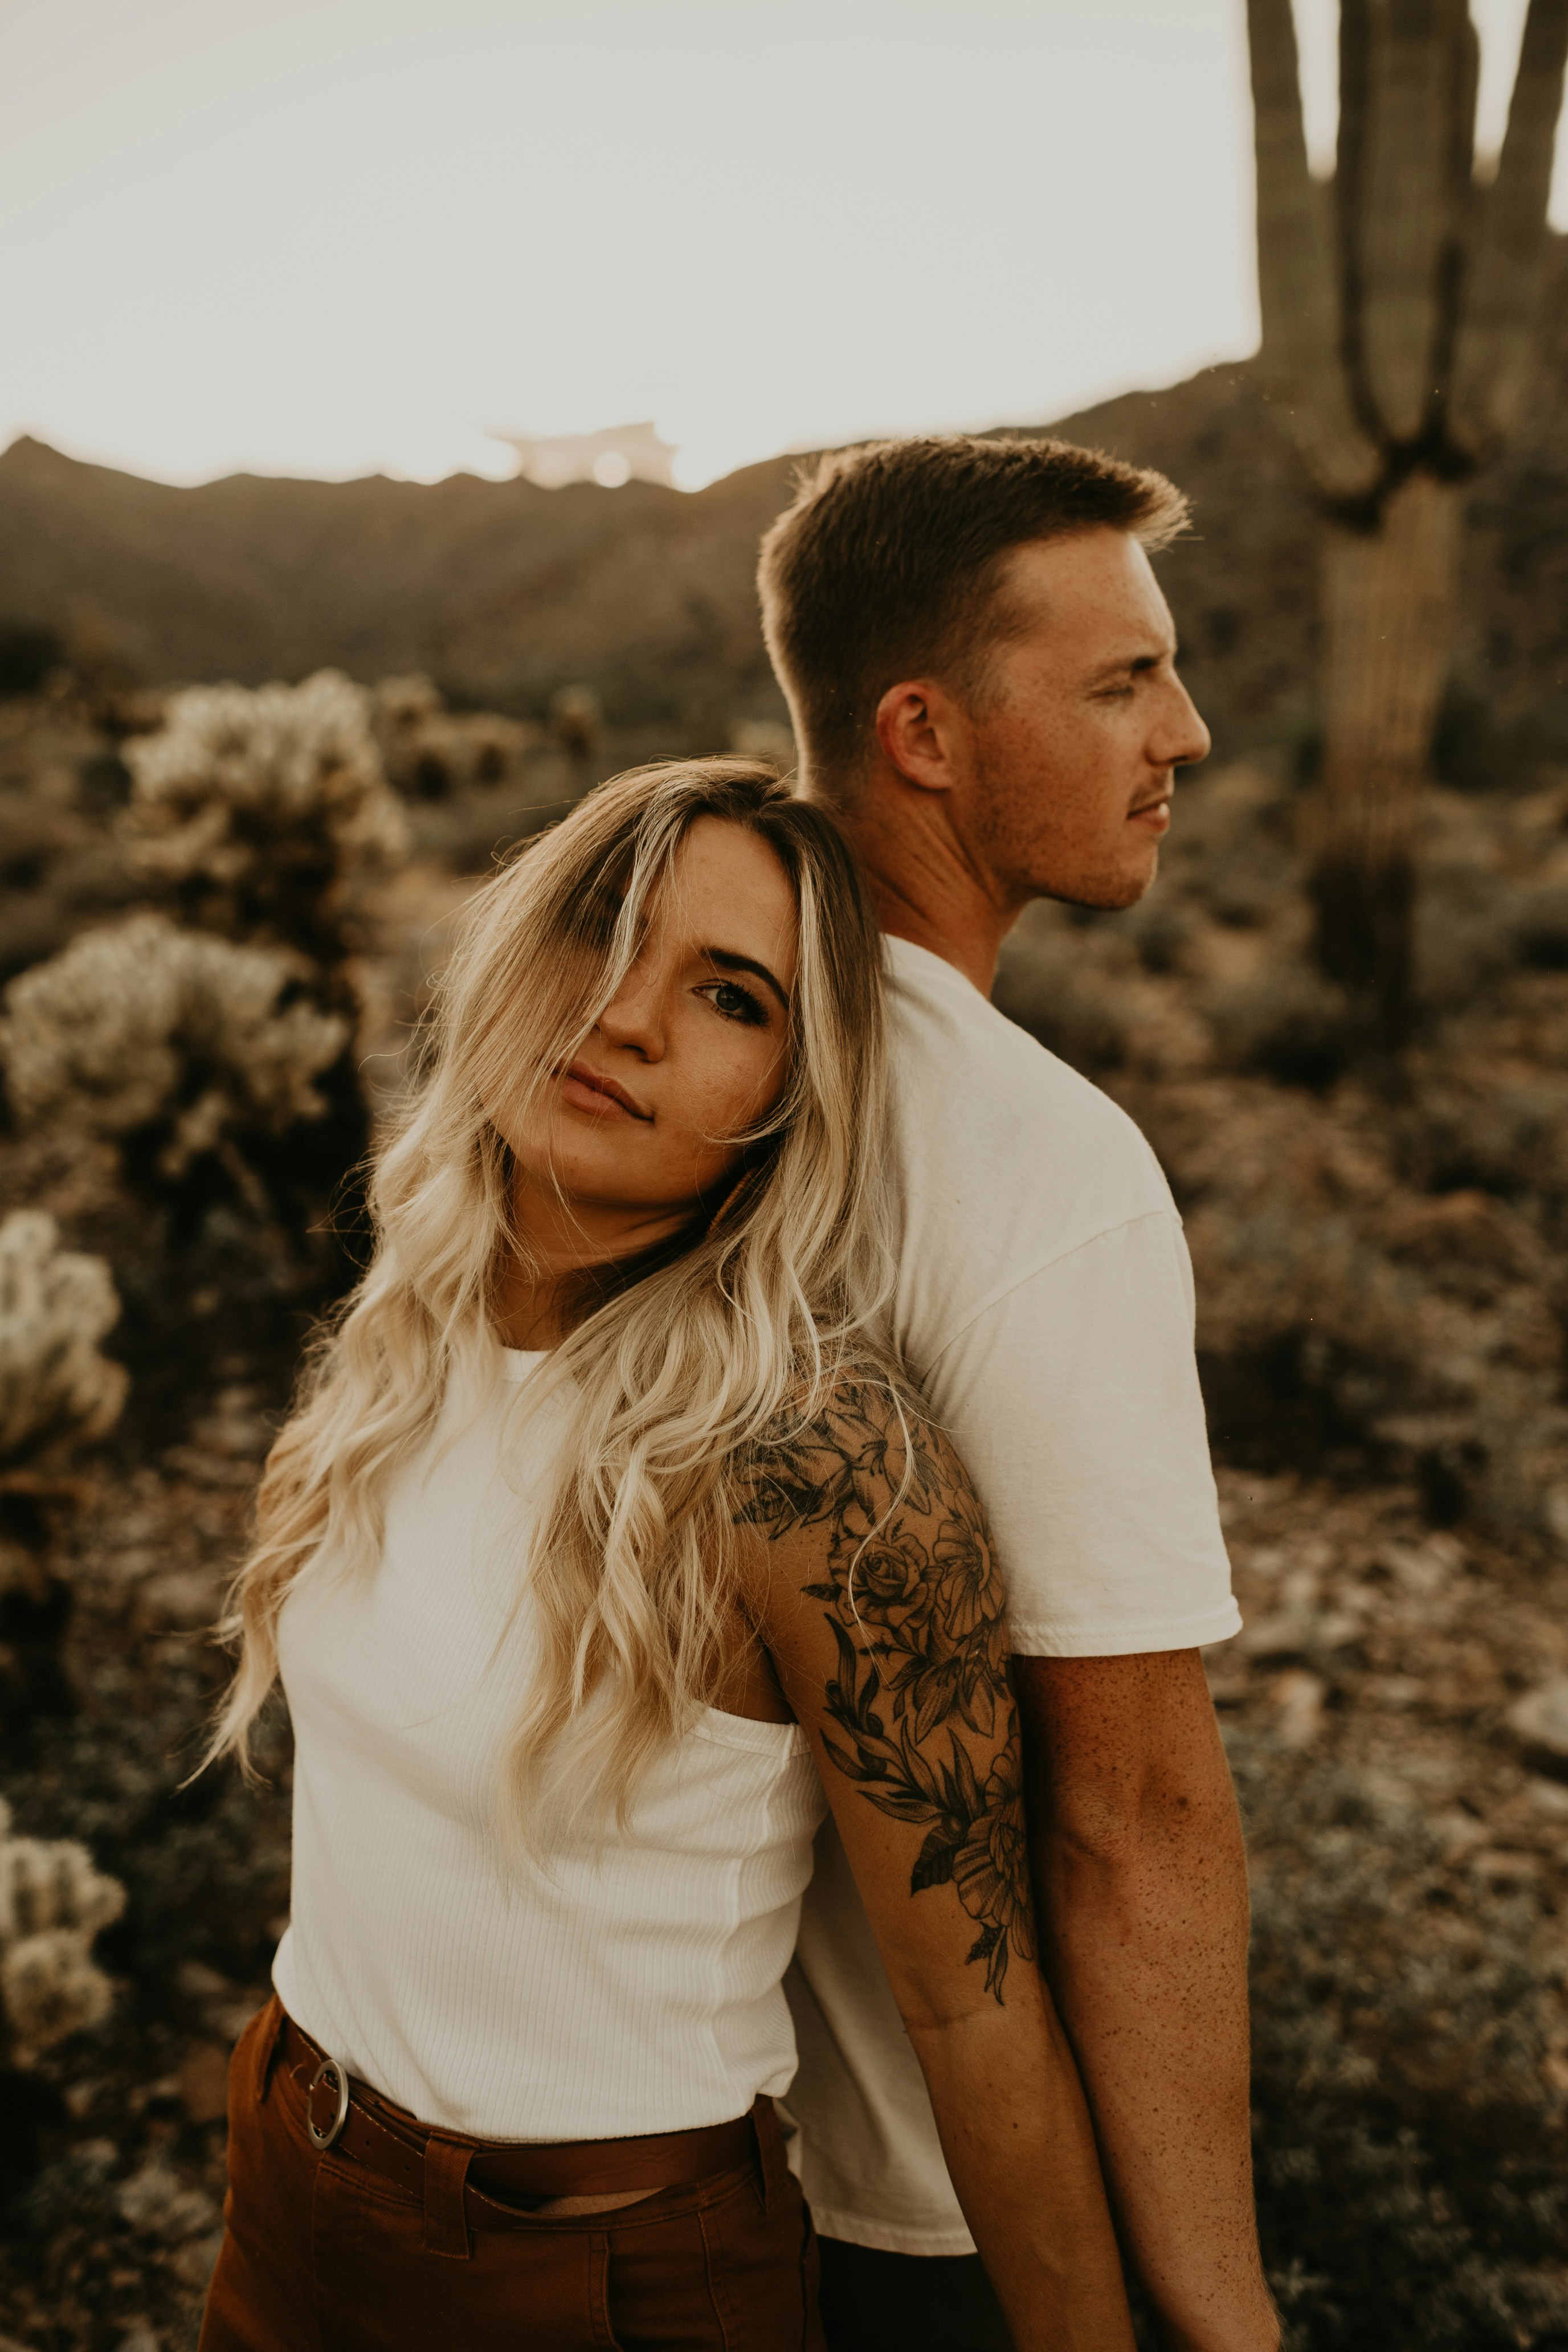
{"x":352,"y":2120}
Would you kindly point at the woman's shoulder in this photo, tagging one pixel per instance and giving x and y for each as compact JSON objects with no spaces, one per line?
{"x":861,"y":1447}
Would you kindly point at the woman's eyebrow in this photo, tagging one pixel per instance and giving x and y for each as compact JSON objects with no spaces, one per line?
{"x":728,"y":961}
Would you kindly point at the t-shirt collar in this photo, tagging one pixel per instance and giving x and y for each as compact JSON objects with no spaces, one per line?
{"x":918,"y":963}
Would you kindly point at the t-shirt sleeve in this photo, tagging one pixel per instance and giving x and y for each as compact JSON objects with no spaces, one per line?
{"x":1074,"y":1400}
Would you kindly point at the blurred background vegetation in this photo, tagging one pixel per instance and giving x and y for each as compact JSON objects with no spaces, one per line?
{"x":1341,"y":1016}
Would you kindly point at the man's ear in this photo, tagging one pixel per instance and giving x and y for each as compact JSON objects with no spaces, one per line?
{"x":923,"y":734}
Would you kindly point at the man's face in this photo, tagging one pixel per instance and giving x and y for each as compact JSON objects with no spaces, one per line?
{"x":1078,"y":723}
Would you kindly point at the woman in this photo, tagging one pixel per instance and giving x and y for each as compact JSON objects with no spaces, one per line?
{"x":604,"y":1542}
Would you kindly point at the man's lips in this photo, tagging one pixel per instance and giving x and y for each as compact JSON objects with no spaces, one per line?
{"x":585,"y":1090}
{"x":1154,"y":814}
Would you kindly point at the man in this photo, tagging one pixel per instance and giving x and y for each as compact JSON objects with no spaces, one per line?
{"x":980,"y":669}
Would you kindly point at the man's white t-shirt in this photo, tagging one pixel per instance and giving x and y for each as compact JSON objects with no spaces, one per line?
{"x":1045,"y":1303}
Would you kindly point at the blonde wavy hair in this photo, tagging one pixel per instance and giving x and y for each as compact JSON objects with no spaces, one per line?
{"x":683,"y":1361}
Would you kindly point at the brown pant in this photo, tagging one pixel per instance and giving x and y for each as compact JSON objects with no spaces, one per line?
{"x":322,"y":2255}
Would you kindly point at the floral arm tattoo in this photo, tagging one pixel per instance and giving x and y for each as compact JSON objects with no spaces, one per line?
{"x":916,"y":1609}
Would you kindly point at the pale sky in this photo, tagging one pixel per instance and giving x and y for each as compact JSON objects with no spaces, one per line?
{"x":341,"y":236}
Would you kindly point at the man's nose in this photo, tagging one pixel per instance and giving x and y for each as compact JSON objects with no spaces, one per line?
{"x":1183,"y":736}
{"x":635,"y":1015}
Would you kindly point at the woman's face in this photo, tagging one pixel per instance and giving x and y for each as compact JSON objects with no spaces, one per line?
{"x":690,"y":1053}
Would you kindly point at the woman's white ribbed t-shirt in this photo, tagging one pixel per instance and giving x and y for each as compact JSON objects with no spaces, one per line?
{"x":636,"y":1986}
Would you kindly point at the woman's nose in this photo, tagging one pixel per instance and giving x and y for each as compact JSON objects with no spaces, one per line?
{"x":634,"y":1017}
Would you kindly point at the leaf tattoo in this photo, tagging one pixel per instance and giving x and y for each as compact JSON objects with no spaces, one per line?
{"x":916,"y":1609}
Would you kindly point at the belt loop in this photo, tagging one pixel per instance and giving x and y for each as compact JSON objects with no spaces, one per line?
{"x":445,"y":2175}
{"x":268,"y":2029}
{"x":770,"y":2149}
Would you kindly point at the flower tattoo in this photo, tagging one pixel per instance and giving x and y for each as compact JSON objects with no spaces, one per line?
{"x":919,"y":1702}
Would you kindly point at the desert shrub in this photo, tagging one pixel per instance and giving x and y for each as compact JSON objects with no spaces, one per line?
{"x":1541,"y":928}
{"x":431,"y":752}
{"x":577,"y":720}
{"x":1307,"y":1337}
{"x":1467,"y":931}
{"x":259,"y":811}
{"x":56,"y":1390}
{"x":1289,"y":1022}
{"x":28,"y":652}
{"x":53,"y":1903}
{"x":1159,"y":929}
{"x":1409,"y":2145}
{"x":1233,"y":850}
{"x":1458,"y":1133}
{"x":189,"y":1052}
{"x":1352,"y":1324}
{"x":1043,"y":984}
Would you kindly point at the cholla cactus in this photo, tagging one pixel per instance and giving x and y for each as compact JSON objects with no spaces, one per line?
{"x":400,"y":706}
{"x":577,"y":720}
{"x":182,"y":1044}
{"x":431,"y":752}
{"x":260,"y":806}
{"x":54,"y":1308}
{"x":52,"y":1903}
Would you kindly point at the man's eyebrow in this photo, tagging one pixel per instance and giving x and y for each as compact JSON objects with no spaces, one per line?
{"x":728,"y":961}
{"x":1131,"y":665}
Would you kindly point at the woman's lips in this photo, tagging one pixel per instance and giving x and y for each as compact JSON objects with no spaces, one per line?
{"x":585,"y":1090}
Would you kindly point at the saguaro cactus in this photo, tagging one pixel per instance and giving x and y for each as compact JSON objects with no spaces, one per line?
{"x":1397,"y":324}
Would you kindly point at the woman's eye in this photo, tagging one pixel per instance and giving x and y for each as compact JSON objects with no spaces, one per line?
{"x":735,"y":1003}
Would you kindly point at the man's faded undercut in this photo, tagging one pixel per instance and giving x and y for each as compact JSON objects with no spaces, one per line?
{"x":889,"y":563}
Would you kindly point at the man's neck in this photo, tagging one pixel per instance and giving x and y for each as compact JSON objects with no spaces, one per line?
{"x":924,"y":886}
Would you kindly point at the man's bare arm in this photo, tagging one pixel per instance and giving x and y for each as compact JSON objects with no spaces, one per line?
{"x":867,"y":1570}
{"x":1141,"y":1877}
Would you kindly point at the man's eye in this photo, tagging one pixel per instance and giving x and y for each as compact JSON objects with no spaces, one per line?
{"x":735,"y":1003}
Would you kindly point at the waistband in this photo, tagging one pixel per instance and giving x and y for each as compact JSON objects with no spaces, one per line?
{"x":457,"y":2176}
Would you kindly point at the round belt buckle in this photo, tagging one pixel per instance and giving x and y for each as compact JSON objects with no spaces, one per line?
{"x":332,"y":2077}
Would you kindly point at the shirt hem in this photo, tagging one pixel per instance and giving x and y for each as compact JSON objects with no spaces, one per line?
{"x":1032,"y":1640}
{"x":890,"y":2237}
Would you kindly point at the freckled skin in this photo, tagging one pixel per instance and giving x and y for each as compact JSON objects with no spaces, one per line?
{"x":701,"y":1052}
{"x":1050,"y":775}
{"x":1065,"y":748}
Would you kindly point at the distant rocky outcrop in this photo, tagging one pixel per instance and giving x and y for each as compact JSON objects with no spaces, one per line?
{"x":504,"y":592}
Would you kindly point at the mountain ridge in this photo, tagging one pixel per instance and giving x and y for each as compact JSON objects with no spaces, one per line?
{"x":503,"y":591}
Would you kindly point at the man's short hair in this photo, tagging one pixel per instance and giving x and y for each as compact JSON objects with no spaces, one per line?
{"x":888,"y":565}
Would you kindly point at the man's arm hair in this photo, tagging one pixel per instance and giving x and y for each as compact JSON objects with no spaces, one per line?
{"x":870,"y":1577}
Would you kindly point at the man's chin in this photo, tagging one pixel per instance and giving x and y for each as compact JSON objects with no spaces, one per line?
{"x":1106,"y":893}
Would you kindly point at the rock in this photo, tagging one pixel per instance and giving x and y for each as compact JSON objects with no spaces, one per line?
{"x":194,"y":2264}
{"x":1538,"y":1721}
{"x":184,"y":1599}
{"x":195,"y":1976}
{"x":159,"y":2204}
{"x":1299,"y":1699}
{"x":204,"y":2083}
{"x":1284,"y":1634}
{"x":1424,"y":1568}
